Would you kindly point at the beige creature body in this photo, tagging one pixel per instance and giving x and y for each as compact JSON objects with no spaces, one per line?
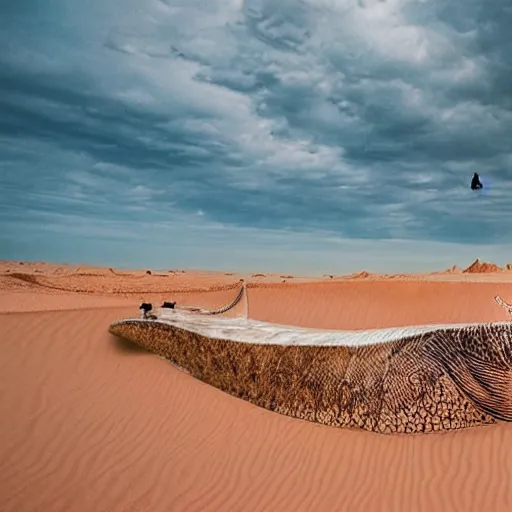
{"x":409,"y":380}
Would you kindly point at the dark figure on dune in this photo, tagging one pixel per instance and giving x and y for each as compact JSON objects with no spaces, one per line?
{"x":146,"y":308}
{"x":475,"y":182}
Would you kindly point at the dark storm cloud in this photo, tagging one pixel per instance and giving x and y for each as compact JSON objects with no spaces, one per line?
{"x":364,"y":119}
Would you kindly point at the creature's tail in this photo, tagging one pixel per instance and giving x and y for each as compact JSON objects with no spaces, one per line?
{"x":503,"y":304}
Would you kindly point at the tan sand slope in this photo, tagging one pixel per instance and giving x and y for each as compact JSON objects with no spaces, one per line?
{"x":90,"y":423}
{"x":94,"y":424}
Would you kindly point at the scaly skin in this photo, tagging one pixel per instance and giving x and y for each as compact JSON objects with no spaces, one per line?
{"x":442,"y":380}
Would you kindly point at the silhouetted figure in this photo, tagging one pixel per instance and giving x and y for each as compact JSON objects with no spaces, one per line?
{"x":146,"y":308}
{"x":475,"y":182}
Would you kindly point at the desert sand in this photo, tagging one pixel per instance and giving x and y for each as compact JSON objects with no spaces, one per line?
{"x":92,"y":423}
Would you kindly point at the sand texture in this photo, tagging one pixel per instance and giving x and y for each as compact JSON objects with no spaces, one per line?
{"x":91,"y":422}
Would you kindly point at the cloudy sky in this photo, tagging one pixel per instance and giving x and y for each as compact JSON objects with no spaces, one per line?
{"x":309,"y":136}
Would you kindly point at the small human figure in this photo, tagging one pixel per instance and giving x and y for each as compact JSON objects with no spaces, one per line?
{"x":146,"y":308}
{"x":475,"y":182}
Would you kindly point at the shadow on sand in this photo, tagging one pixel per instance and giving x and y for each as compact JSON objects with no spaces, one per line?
{"x":126,"y":346}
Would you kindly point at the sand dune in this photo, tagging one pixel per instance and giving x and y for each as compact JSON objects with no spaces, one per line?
{"x":91,"y":423}
{"x":98,"y":425}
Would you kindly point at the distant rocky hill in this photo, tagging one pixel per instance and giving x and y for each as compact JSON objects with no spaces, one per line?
{"x":482,"y":267}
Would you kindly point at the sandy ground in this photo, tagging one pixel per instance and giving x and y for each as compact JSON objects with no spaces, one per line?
{"x":92,"y":423}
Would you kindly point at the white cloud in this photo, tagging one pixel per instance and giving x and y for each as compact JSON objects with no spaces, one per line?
{"x":360,"y":118}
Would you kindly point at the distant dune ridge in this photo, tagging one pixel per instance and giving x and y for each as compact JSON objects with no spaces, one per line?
{"x":361,"y":275}
{"x":477,"y":267}
{"x":47,"y":271}
{"x":452,"y":270}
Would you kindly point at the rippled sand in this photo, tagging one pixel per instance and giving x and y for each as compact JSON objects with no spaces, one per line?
{"x":92,"y":423}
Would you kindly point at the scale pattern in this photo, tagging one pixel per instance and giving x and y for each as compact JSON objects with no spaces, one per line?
{"x":436,"y":381}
